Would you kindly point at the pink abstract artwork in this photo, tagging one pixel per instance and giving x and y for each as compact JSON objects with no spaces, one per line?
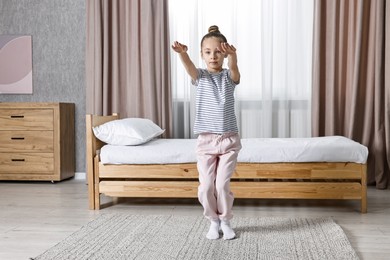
{"x":15,"y":64}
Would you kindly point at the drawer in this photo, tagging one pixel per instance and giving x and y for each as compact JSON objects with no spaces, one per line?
{"x":26,"y":119}
{"x":26,"y":141}
{"x":38,"y":163}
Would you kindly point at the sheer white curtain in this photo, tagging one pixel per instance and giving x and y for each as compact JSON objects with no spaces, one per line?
{"x":274,"y":47}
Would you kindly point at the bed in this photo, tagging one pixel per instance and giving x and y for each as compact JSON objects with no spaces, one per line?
{"x":166,"y":168}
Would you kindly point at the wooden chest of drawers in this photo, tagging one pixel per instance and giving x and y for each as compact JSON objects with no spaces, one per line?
{"x":37,"y":141}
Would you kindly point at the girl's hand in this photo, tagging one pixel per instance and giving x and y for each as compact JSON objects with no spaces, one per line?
{"x":227,"y":49}
{"x":230,"y":52}
{"x":178,"y":47}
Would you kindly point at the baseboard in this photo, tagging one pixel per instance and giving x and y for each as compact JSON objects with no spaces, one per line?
{"x":80,"y":175}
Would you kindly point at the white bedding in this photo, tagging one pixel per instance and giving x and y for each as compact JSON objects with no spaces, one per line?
{"x":266,"y":150}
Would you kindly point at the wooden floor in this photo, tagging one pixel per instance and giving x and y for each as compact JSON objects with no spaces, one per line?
{"x":35,"y":216}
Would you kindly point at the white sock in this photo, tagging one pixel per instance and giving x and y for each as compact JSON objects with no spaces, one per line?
{"x":214,"y":230}
{"x":228,"y":232}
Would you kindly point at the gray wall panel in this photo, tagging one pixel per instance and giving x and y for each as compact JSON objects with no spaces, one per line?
{"x":58,"y":37}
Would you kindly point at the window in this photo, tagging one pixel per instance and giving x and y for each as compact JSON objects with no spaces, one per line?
{"x":274,"y":47}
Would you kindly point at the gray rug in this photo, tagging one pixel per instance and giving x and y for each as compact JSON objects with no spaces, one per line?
{"x":119,"y":236}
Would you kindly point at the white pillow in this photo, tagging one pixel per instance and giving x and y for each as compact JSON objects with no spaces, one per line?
{"x":128,"y":131}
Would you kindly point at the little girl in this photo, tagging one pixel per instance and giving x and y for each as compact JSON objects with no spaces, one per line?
{"x":215,"y":123}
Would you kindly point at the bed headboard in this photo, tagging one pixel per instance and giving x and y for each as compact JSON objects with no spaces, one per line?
{"x":93,"y":145}
{"x":92,"y":142}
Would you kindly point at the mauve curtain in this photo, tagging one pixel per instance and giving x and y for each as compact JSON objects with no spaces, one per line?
{"x":128,"y":60}
{"x":351,"y":84}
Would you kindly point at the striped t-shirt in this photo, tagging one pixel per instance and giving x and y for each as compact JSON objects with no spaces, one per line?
{"x":215,"y":103}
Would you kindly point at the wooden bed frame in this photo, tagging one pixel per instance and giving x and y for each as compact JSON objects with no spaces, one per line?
{"x":319,"y":180}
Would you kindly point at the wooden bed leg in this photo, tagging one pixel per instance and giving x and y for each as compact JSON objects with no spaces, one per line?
{"x":90,"y":166}
{"x":91,"y":191}
{"x":363,"y":206}
{"x":96,"y":183}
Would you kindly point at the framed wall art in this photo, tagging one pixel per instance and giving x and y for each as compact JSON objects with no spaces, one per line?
{"x":16,"y":64}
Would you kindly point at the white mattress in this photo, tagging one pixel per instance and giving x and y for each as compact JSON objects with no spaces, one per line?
{"x":266,"y":150}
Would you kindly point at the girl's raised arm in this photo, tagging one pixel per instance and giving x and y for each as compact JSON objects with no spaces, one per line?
{"x":181,"y":49}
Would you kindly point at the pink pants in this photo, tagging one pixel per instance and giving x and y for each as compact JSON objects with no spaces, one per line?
{"x":217,"y":158}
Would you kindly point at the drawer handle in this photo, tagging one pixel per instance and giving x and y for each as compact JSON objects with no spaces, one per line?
{"x":17,"y":138}
{"x":17,"y":116}
{"x":17,"y":160}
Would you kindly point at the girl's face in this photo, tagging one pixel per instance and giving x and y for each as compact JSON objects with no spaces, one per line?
{"x":212,"y":55}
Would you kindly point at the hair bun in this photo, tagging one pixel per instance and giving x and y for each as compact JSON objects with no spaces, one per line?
{"x":214,"y":29}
